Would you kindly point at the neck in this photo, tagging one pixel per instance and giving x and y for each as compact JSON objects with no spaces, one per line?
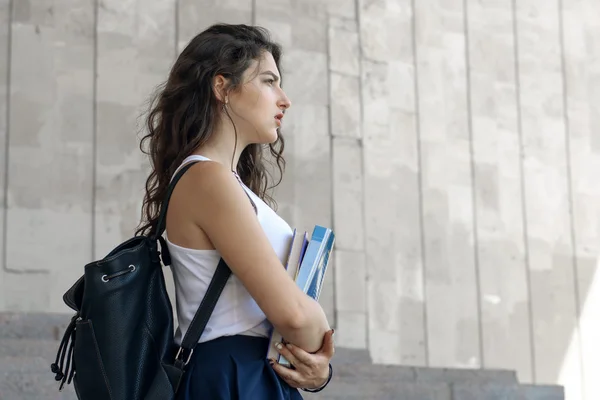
{"x":220,"y":147}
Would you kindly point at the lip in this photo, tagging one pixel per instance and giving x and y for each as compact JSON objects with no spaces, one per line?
{"x":278,"y":118}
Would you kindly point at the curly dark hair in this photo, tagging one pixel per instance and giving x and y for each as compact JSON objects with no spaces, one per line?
{"x":183,"y":113}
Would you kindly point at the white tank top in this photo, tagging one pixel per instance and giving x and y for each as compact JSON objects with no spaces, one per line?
{"x":236,"y":312}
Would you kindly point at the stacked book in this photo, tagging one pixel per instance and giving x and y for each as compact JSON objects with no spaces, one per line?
{"x":307,"y":263}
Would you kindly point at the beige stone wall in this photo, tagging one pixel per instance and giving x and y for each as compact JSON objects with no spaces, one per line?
{"x":452,"y":145}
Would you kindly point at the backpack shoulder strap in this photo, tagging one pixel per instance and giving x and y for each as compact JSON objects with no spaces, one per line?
{"x":216,"y":286}
{"x":194,"y":331}
{"x":161,"y":224}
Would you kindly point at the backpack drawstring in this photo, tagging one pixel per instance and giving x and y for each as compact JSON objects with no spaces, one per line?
{"x":70,"y":364}
{"x":66,"y":346}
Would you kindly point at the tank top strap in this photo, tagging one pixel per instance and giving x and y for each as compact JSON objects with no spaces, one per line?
{"x":246,"y":191}
{"x":188,"y":159}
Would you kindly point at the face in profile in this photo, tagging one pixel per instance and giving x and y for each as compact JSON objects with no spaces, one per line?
{"x":257,"y":107}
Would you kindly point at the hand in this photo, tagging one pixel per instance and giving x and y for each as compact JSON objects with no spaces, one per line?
{"x":310,"y":370}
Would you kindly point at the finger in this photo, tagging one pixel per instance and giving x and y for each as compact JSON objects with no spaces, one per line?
{"x":299,"y":354}
{"x":285,"y":351}
{"x":292,"y":377}
{"x":328,"y":347}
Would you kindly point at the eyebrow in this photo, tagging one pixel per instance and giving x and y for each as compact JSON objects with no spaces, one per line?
{"x":275,"y":77}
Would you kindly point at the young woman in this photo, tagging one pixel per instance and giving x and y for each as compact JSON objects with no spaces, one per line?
{"x":222,"y":105}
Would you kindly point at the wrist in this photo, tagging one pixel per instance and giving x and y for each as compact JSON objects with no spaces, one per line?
{"x":318,"y":389}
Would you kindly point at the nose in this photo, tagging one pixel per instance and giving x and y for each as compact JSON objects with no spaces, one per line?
{"x":284,"y":102}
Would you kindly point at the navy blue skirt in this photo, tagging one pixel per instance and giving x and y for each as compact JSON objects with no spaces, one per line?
{"x":233,"y":367}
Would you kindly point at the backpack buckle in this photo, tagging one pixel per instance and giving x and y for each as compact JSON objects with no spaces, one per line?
{"x":189,"y":356}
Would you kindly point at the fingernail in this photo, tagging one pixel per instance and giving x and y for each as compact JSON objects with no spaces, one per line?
{"x":278,"y":346}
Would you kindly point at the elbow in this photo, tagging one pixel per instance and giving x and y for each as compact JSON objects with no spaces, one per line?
{"x":298,"y":320}
{"x":301,"y":320}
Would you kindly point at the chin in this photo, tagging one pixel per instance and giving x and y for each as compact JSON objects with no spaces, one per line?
{"x":268,"y":137}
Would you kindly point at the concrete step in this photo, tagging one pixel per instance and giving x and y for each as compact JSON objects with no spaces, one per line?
{"x":474,"y":391}
{"x":45,"y":349}
{"x":349,"y":365}
{"x":30,"y":378}
{"x":352,"y":364}
{"x":384,"y":373}
{"x":365,"y":389}
{"x":542,"y":392}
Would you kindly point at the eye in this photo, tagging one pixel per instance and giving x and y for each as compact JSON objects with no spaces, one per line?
{"x":270,"y":81}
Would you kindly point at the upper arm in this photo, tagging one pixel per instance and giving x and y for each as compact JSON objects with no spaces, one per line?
{"x":223,"y":211}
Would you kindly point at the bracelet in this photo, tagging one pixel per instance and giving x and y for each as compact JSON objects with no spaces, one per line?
{"x":325,"y":384}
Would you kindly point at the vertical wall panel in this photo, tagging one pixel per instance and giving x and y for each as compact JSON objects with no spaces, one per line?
{"x":347,"y":180}
{"x":555,"y":340}
{"x":350,"y":268}
{"x":392,"y":215}
{"x":502,"y":259}
{"x":581,"y":33}
{"x":4,"y":64}
{"x":350,"y":299}
{"x":451,"y":284}
{"x":50,"y":151}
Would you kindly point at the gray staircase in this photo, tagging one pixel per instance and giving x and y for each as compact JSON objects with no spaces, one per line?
{"x":28,"y":345}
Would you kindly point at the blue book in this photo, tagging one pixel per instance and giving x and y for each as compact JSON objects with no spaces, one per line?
{"x":315,"y":261}
{"x":314,"y":265}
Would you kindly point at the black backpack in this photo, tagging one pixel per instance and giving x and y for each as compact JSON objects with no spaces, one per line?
{"x":120,"y":343}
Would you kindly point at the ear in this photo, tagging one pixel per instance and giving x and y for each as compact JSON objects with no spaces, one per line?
{"x":220,"y":84}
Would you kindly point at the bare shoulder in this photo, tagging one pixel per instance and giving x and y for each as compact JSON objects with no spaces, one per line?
{"x":193,"y":198}
{"x":210,"y":186}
